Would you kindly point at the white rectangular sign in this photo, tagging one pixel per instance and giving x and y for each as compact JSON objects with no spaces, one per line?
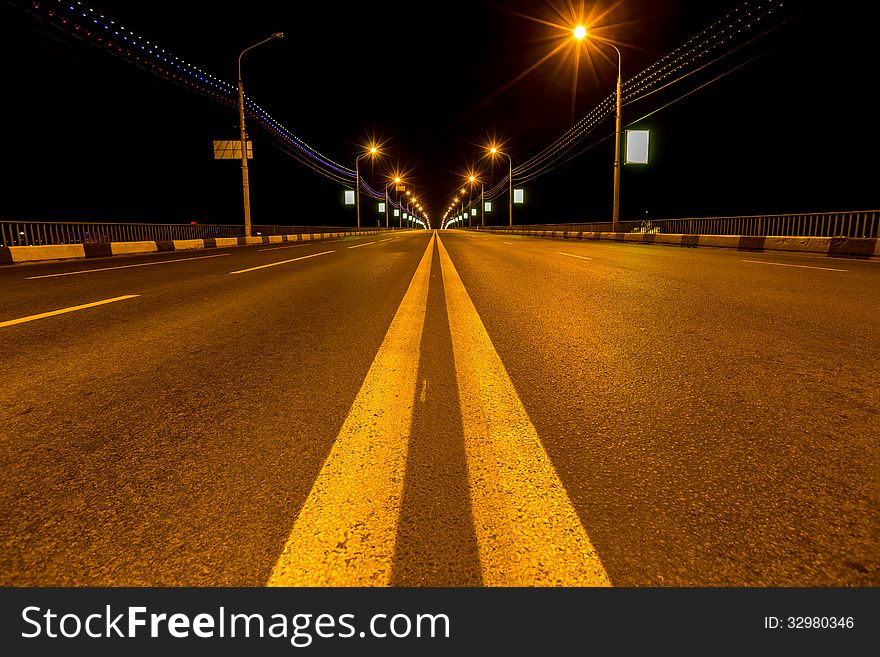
{"x":518,"y":196}
{"x":637,"y":146}
{"x":349,"y":197}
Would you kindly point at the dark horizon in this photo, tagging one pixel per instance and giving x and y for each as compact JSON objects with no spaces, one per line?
{"x":94,"y":137}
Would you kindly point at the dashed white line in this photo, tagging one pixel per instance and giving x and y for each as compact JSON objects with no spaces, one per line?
{"x":278,"y":248}
{"x":511,"y":243}
{"x":783,"y":264}
{"x":282,"y":262}
{"x":357,"y":246}
{"x":387,"y":239}
{"x":140,"y":264}
{"x":52,"y":313}
{"x":572,"y":255}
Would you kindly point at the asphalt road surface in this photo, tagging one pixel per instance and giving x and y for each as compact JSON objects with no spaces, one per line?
{"x":441,"y":409}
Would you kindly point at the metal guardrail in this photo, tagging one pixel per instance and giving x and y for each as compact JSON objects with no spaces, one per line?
{"x":862,"y":223}
{"x":35,"y":233}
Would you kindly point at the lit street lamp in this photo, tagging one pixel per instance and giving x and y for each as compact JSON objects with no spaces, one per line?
{"x":357,"y":182}
{"x":245,"y":184}
{"x":580,"y":33}
{"x":472,"y":180}
{"x":396,"y":182}
{"x":495,"y":151}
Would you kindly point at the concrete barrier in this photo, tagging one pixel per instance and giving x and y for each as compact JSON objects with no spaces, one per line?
{"x":186,"y":245}
{"x":15,"y":254}
{"x":832,"y":246}
{"x":122,"y":248}
{"x":48,"y":252}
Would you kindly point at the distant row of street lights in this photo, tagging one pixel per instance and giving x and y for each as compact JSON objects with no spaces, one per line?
{"x":580,"y":33}
{"x":472,"y":179}
{"x":420,"y":217}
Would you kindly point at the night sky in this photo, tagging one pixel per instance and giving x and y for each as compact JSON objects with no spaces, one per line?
{"x":91,"y":136}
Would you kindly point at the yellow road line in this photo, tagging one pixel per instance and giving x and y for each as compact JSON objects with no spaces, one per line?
{"x":282,"y":262}
{"x":527,"y":530}
{"x":52,"y":313}
{"x":345,"y":533}
{"x":140,"y":264}
{"x":783,"y":264}
{"x":357,"y":246}
{"x":572,"y":255}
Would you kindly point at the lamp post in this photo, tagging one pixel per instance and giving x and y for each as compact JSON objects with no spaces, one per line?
{"x":245,"y":184}
{"x":580,"y":33}
{"x":495,"y":151}
{"x":473,"y":180}
{"x":396,"y":181}
{"x":357,"y":182}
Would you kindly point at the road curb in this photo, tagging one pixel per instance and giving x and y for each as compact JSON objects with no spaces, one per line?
{"x":864,"y":247}
{"x":16,"y":254}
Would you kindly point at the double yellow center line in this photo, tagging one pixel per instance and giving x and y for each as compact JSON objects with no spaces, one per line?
{"x":527,"y":530}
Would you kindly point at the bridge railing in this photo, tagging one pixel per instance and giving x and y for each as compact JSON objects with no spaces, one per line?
{"x":862,"y":223}
{"x":35,"y":233}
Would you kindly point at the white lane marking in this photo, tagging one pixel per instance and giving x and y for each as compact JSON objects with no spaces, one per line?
{"x":278,"y":248}
{"x":346,"y":531}
{"x":782,"y":264}
{"x":572,"y":255}
{"x":528,"y":532}
{"x":30,"y":318}
{"x":511,"y":243}
{"x":387,"y":239}
{"x":140,"y":264}
{"x":282,"y":262}
{"x":357,"y":246}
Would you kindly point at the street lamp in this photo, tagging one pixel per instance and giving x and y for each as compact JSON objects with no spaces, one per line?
{"x":396,"y":181}
{"x":473,"y":180}
{"x":495,"y":151}
{"x":580,"y":33}
{"x":413,"y":202}
{"x":245,"y":184}
{"x":357,"y":181}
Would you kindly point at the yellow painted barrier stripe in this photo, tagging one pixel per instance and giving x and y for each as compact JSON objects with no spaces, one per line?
{"x":282,"y":262}
{"x":527,"y":530}
{"x":346,"y":532}
{"x":53,"y":313}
